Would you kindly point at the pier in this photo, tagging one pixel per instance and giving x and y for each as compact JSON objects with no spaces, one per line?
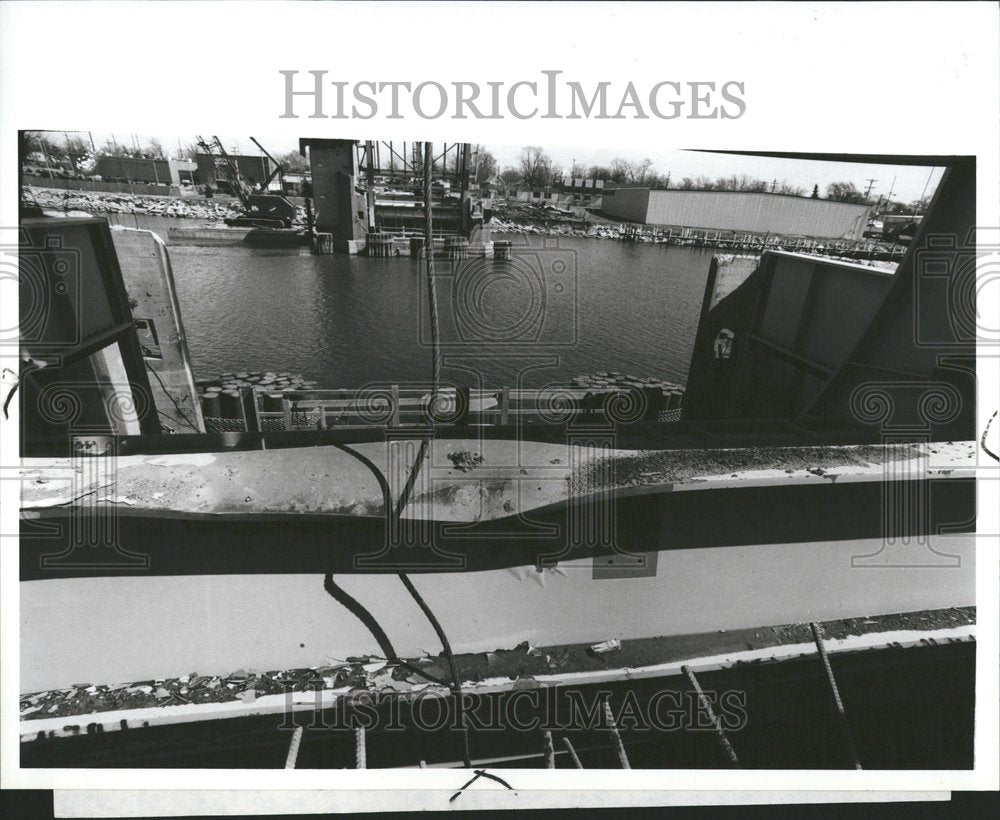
{"x":269,"y":401}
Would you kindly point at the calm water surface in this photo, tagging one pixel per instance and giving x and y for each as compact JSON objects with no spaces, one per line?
{"x":560,"y":308}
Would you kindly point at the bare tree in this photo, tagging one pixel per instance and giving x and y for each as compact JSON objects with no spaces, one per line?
{"x":536,"y":167}
{"x":790,"y":190}
{"x":644,"y":169}
{"x":293,"y":162}
{"x":844,"y":192}
{"x":510,"y":175}
{"x":621,"y":170}
{"x":487,"y":167}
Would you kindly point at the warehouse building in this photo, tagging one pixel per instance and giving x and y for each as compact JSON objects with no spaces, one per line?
{"x":761,"y":213}
{"x":145,"y":169}
{"x":254,"y":169}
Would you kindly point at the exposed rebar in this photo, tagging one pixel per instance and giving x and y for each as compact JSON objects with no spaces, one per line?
{"x":572,"y":753}
{"x":293,"y":748}
{"x":615,"y":734}
{"x":727,"y":747}
{"x":550,"y":752}
{"x":817,"y":631}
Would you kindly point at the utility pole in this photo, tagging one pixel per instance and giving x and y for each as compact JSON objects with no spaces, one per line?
{"x":868,"y":190}
{"x":888,"y":198}
{"x":774,"y":184}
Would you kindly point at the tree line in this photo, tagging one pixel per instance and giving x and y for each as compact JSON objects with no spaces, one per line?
{"x":536,"y":169}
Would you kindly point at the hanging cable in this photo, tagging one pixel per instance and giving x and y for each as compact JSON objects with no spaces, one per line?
{"x":352,"y":605}
{"x":173,"y":401}
{"x":396,"y":511}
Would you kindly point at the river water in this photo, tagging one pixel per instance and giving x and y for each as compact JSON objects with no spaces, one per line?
{"x":562,"y":307}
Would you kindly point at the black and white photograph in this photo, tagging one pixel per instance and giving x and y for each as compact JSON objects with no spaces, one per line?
{"x":357,"y":431}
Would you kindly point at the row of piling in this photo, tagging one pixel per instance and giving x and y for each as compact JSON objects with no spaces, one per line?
{"x":871,"y":249}
{"x":381,"y":245}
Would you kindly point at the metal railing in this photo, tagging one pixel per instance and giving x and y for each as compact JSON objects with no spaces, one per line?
{"x":393,"y":406}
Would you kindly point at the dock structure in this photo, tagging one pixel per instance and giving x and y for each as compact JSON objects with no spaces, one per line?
{"x":341,"y":211}
{"x":369,"y":193}
{"x":257,"y":402}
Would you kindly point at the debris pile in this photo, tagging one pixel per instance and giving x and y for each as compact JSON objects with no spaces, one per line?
{"x":464,"y":460}
{"x":363,"y":673}
{"x":520,"y":664}
{"x":54,"y":199}
{"x":176,"y":207}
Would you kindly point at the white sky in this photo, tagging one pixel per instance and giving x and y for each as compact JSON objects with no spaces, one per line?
{"x":906,"y":183}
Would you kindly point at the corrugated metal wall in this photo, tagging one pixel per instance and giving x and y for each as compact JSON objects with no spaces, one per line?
{"x":629,"y":204}
{"x":251,"y":167}
{"x":137,"y":169}
{"x":739,"y":211}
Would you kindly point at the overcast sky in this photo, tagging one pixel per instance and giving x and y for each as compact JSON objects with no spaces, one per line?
{"x":907,"y":183}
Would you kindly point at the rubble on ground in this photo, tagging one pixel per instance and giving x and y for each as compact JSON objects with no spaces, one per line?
{"x":210,"y":210}
{"x":520,"y":664}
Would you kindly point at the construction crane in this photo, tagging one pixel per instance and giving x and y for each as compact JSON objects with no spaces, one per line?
{"x":261,"y":209}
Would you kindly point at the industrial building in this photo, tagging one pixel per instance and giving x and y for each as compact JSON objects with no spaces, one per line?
{"x":576,"y":193}
{"x":252,"y":167}
{"x":762,"y":213}
{"x":145,"y":169}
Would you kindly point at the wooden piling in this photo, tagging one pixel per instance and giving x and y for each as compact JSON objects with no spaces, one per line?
{"x":210,"y":404}
{"x":271,"y":402}
{"x":456,"y":247}
{"x":230,"y":404}
{"x":378,"y":244}
{"x":323,"y":243}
